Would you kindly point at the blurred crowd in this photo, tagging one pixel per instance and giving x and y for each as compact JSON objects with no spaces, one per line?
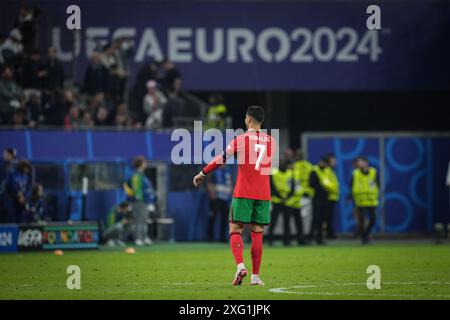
{"x":20,"y":200}
{"x":35,"y":90}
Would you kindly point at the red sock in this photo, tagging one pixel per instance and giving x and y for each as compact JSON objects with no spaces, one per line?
{"x":237,"y":247}
{"x":256,"y":251}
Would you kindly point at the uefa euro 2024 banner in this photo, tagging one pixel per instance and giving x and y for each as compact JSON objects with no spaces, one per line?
{"x":264,"y":45}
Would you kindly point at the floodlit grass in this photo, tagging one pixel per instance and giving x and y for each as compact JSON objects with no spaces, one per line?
{"x":205,"y":271}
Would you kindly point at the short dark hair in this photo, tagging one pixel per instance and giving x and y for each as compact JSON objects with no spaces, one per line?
{"x":256,"y":112}
{"x":138,"y":161}
{"x":12,"y":152}
{"x":124,"y":205}
{"x":35,"y":189}
{"x":328,"y":157}
{"x":23,"y":165}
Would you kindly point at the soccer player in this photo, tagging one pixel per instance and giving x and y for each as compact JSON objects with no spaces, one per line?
{"x":251,"y":196}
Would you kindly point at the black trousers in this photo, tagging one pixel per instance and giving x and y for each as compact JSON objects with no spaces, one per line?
{"x":220,"y":210}
{"x":330,"y":207}
{"x":319,"y":215}
{"x":364,"y":231}
{"x":287,"y":212}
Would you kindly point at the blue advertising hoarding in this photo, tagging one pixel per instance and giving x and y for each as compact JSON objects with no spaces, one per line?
{"x":8,"y":237}
{"x":252,"y":45}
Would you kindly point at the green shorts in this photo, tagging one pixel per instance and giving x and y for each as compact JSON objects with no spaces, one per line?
{"x":250,"y":211}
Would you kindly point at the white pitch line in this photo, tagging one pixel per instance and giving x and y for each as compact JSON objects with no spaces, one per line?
{"x":374,"y":294}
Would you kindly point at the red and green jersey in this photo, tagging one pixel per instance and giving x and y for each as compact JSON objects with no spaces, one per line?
{"x":254,"y":151}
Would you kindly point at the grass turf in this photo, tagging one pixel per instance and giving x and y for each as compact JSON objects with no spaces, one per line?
{"x":205,"y":271}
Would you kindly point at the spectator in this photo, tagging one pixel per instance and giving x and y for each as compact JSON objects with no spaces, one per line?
{"x":9,"y":157}
{"x":124,"y":52}
{"x":11,"y":49}
{"x":72,"y":119}
{"x":87,"y":122}
{"x":95,"y":78}
{"x":116,"y":79}
{"x":147,"y":72}
{"x":32,"y":72}
{"x":17,"y":189}
{"x":10,"y":95}
{"x":36,"y":208}
{"x":96,"y":101}
{"x":33,"y":109}
{"x":140,"y":191}
{"x":119,"y":225}
{"x":19,"y":119}
{"x":173,"y":109}
{"x":122,"y":118}
{"x":102,"y":116}
{"x":26,"y":23}
{"x":172,"y":77}
{"x":153,"y":105}
{"x":53,"y":108}
{"x":53,"y":71}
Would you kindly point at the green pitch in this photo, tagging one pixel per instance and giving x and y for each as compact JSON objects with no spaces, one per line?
{"x":204,"y":271}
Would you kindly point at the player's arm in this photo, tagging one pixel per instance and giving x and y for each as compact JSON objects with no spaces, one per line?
{"x":216,"y":162}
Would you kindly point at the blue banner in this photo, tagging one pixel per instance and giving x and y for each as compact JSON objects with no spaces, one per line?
{"x":8,"y":237}
{"x":263,"y":45}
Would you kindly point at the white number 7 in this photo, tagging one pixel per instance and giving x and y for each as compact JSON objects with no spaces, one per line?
{"x":261,"y":148}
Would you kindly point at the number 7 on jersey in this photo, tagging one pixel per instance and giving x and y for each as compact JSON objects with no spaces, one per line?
{"x":261,"y":151}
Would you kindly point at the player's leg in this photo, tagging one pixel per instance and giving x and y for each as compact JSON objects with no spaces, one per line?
{"x":256,"y":251}
{"x":260,"y":218}
{"x":237,"y":249}
{"x":240,"y":214}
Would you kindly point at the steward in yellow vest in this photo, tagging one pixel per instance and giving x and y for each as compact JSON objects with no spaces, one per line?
{"x":365,"y":190}
{"x":215,"y":116}
{"x":332,"y":187}
{"x":302,"y":172}
{"x":282,"y":185}
{"x":321,"y":184}
{"x":285,"y":200}
{"x":365,"y":193}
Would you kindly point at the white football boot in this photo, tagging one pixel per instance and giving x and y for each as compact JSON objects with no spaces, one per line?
{"x":240,"y":274}
{"x":256,"y":281}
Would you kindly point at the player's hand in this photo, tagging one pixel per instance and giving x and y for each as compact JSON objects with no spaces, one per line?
{"x":198,"y":179}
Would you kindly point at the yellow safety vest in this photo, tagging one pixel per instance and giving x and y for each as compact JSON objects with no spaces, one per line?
{"x":302,"y":172}
{"x":324,"y":180}
{"x":333,"y":187}
{"x":214,"y":117}
{"x":282,"y":182}
{"x":365,"y":188}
